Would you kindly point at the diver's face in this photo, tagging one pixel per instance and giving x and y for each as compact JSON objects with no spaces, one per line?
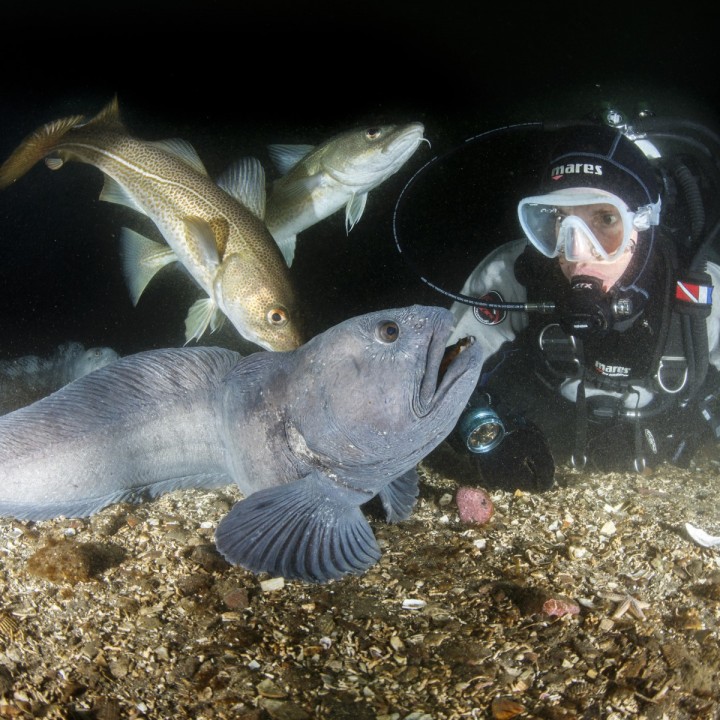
{"x":604,"y":222}
{"x":607,"y":228}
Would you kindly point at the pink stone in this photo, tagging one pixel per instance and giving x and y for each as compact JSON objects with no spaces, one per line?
{"x":559,"y":606}
{"x":474,"y":505}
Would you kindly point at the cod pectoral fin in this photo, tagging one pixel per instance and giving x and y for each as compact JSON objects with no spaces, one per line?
{"x":398,"y":497}
{"x":354,"y":210}
{"x":307,"y":530}
{"x":142,"y":259}
{"x":203,"y":314}
{"x":200,"y":236}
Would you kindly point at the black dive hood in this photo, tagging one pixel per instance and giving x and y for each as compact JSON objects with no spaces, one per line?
{"x":462,"y":204}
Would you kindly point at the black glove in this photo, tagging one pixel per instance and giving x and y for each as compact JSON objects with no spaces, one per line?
{"x":694,"y":426}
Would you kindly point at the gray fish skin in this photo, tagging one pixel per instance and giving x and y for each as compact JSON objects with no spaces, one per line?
{"x":309,"y":436}
{"x":29,"y":378}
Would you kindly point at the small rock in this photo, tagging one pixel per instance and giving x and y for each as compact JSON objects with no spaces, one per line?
{"x":475,"y":506}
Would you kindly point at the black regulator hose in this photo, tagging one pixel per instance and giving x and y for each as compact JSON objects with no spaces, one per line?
{"x":691,"y":191}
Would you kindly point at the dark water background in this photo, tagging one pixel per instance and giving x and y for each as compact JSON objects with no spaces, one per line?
{"x":231,"y":78}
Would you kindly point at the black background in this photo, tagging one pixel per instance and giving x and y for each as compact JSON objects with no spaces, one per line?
{"x":233,"y":77}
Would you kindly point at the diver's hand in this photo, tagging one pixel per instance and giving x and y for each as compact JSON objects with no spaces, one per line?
{"x":522,"y":461}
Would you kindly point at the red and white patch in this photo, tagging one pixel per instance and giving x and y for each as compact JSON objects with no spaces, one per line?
{"x":490,"y":315}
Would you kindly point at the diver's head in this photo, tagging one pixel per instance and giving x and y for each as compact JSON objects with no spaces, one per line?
{"x":598,"y":200}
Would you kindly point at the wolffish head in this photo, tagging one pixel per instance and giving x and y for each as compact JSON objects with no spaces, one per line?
{"x":374,"y":394}
{"x":260,"y":303}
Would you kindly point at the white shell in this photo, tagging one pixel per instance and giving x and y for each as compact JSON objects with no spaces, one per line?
{"x":413,"y":604}
{"x":701,"y":537}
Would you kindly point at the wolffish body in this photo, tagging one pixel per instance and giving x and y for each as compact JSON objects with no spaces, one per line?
{"x":29,"y":378}
{"x":309,"y":436}
{"x":216,"y":233}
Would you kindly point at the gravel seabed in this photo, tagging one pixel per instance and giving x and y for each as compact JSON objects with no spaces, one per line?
{"x":587,"y":601}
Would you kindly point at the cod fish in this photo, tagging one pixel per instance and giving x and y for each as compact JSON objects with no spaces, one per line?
{"x":29,"y":378}
{"x":309,"y":436}
{"x":217,"y":234}
{"x":319,"y":180}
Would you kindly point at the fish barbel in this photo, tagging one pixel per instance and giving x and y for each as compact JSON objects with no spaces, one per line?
{"x":317,"y":181}
{"x":216,"y":233}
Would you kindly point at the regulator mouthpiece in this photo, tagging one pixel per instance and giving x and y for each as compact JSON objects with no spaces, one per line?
{"x":587,"y":309}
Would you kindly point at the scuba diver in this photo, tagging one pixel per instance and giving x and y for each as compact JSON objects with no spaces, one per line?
{"x":615,"y":363}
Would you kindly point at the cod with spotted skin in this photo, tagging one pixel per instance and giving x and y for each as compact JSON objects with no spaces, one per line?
{"x":319,"y":180}
{"x":216,"y":232}
{"x":309,"y":436}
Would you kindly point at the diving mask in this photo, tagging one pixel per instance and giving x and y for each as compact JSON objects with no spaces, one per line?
{"x":583,"y":224}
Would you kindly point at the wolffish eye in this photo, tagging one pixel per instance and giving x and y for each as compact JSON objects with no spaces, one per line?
{"x":373,"y":133}
{"x":387,"y":332}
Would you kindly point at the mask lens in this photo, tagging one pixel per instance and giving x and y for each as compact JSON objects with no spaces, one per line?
{"x":581,"y":227}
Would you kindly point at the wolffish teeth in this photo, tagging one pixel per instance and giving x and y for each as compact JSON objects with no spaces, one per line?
{"x":451,"y":352}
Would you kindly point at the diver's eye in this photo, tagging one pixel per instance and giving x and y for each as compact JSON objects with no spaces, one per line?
{"x":373,"y":133}
{"x":277,"y":316}
{"x":387,"y":332}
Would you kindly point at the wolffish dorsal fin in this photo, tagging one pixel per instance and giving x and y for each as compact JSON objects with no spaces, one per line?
{"x":183,"y":151}
{"x":113,"y":394}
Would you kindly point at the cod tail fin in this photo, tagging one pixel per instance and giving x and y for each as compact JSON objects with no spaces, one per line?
{"x":35,"y":147}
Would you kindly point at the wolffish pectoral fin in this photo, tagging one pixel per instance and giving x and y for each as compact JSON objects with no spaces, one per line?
{"x":203,"y":313}
{"x":399,"y":497}
{"x":142,"y":259}
{"x":308,"y":530}
{"x":354,"y":210}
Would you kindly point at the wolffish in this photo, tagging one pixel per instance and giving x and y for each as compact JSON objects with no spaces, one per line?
{"x":309,"y":436}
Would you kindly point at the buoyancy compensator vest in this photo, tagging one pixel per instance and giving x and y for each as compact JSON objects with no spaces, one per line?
{"x":627,"y":367}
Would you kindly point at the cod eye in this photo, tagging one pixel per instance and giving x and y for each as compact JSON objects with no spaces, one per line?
{"x":373,"y":133}
{"x":387,"y":332}
{"x":277,"y":316}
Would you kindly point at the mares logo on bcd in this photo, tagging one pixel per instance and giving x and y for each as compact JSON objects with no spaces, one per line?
{"x":490,"y":315}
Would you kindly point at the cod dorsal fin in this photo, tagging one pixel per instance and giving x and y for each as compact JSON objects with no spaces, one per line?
{"x":245,"y":181}
{"x":109,"y":116}
{"x":286,"y":157}
{"x":183,"y":151}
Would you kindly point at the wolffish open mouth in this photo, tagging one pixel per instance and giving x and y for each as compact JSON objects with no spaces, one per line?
{"x":451,"y":352}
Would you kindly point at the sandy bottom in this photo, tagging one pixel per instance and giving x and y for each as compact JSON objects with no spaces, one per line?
{"x":587,"y":601}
